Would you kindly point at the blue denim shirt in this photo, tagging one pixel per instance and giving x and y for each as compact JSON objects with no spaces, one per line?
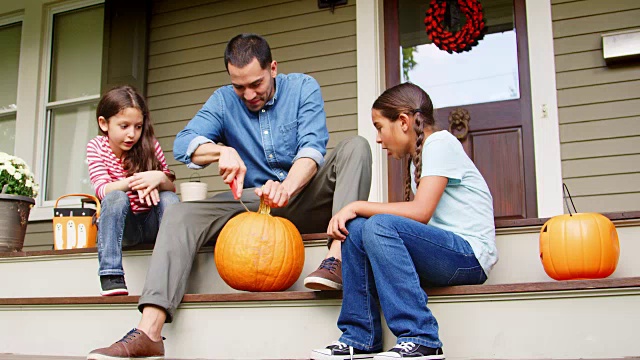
{"x":291,"y":126}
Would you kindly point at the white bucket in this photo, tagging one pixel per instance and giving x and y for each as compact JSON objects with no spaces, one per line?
{"x":193,"y":191}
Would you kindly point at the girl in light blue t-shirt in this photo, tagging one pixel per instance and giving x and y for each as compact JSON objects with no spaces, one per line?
{"x":444,"y":236}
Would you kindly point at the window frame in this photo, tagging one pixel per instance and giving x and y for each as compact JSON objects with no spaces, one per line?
{"x":45,"y":106}
{"x":8,"y":20}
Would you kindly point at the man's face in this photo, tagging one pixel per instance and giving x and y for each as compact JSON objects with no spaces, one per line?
{"x":254,"y":85}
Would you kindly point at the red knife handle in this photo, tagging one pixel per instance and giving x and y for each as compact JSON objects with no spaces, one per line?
{"x":234,"y":188}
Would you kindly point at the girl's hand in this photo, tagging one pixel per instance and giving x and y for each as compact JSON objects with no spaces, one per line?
{"x":274,"y":194}
{"x":151,"y":199}
{"x":337,"y":228}
{"x":147,"y":181}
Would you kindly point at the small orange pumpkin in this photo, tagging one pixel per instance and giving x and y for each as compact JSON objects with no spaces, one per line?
{"x":579,"y":246}
{"x":259,"y":252}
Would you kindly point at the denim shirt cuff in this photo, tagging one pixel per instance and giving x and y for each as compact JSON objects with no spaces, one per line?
{"x":193,"y":145}
{"x":312,"y":154}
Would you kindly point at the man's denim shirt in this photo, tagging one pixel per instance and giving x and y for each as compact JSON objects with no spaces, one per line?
{"x":292,"y":125}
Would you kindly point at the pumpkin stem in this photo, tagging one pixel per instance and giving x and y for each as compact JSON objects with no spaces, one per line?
{"x":264,"y":209}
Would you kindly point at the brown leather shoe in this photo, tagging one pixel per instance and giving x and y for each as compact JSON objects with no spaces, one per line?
{"x":135,"y":345}
{"x":327,"y":277}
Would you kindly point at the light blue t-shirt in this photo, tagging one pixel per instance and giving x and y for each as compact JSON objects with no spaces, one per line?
{"x":466,"y":206}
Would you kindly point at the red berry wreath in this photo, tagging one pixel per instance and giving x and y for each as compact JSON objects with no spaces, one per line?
{"x":442,"y":21}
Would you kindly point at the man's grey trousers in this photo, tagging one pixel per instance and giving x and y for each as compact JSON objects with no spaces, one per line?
{"x":345,"y":177}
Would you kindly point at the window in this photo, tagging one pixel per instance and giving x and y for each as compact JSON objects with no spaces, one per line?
{"x":487,"y":73}
{"x":10,"y":35}
{"x":73,"y":91}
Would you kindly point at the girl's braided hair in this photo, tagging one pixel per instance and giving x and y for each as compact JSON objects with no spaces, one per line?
{"x":409,"y":99}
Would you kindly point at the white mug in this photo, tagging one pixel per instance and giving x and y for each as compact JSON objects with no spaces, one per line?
{"x":193,"y":191}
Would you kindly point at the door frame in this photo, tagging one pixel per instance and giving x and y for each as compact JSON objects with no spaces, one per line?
{"x":396,"y":168}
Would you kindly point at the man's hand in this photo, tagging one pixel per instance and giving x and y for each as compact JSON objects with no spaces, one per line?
{"x":232,"y":167}
{"x":274,"y":194}
{"x":337,"y":228}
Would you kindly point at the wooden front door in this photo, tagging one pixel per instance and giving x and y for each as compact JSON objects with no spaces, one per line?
{"x":488,"y":84}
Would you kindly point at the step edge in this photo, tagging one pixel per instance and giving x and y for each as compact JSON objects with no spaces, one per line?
{"x":308,"y":240}
{"x":530,"y":226}
{"x":443,"y":292}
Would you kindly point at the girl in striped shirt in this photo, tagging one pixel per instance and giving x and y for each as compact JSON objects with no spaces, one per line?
{"x":131,"y":178}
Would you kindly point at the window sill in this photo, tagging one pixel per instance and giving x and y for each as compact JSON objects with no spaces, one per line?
{"x":41,"y":213}
{"x":44,"y":211}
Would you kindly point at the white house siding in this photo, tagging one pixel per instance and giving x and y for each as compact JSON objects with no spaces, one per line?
{"x":599,"y":105}
{"x":187,"y":41}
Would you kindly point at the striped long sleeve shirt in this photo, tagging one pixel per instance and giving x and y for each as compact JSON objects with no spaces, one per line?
{"x":105,"y":167}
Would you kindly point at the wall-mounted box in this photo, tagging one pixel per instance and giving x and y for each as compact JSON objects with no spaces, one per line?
{"x":621,"y":45}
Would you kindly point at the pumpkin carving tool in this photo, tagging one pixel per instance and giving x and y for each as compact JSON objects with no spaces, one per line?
{"x":234,"y":190}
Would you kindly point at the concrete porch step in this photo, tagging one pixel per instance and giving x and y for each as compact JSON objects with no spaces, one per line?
{"x":74,"y":272}
{"x":37,"y":357}
{"x":49,"y":307}
{"x":44,"y":357}
{"x":305,"y":295}
{"x":573,"y":319}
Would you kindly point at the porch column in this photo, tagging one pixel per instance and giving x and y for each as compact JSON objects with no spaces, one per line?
{"x":370,"y":75}
{"x":546,"y":127}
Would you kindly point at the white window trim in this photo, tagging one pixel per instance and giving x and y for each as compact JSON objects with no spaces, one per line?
{"x":10,"y":111}
{"x":5,"y":20}
{"x":11,"y":18}
{"x":44,"y":209}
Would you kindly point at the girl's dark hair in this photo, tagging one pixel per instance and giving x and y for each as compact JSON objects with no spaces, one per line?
{"x":409,"y":99}
{"x":243,"y":48}
{"x":142,"y":156}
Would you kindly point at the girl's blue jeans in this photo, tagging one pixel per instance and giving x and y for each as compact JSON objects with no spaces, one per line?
{"x":387,"y":259}
{"x":119,"y":227}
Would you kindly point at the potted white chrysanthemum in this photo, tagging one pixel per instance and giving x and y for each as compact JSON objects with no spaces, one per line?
{"x":17,"y":192}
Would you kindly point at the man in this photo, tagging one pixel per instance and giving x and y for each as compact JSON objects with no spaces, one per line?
{"x":268,"y":133}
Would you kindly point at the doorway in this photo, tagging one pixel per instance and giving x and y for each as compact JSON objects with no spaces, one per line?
{"x":487,"y":86}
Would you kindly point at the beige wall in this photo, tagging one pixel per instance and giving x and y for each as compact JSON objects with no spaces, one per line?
{"x":187,"y":41}
{"x":599,"y":105}
{"x":39,"y":236}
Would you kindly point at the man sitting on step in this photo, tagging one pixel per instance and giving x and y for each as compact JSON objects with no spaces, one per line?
{"x":268,"y":133}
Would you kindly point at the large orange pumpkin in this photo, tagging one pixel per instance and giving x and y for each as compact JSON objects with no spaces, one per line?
{"x":259,"y":252}
{"x":579,"y":246}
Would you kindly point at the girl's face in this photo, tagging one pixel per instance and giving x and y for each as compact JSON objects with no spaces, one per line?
{"x":394,"y":136}
{"x":123,"y":130}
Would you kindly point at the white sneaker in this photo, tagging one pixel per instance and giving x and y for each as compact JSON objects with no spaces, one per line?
{"x":409,"y":350}
{"x":340,"y":351}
